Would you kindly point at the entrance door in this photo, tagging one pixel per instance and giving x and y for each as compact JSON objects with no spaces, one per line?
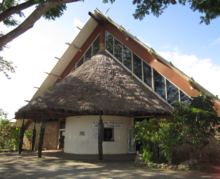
{"x":131,"y":143}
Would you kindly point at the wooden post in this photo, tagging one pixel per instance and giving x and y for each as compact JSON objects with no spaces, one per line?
{"x":100,"y":137}
{"x":22,"y":129}
{"x":34,"y":135}
{"x":42,"y":129}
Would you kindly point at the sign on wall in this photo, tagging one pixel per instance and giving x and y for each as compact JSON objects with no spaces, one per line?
{"x":110,"y":124}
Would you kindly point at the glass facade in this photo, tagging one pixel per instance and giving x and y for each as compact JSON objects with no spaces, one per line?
{"x":127,"y":58}
{"x":118,"y":50}
{"x":159,"y":84}
{"x":147,"y":74}
{"x":96,"y":46}
{"x":172,"y":93}
{"x":109,"y":42}
{"x":184,"y":98}
{"x":88,"y":54}
{"x":137,"y":66}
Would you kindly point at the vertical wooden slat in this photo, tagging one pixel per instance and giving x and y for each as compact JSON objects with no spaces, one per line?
{"x":100,"y":137}
{"x":42,"y":129}
{"x":34,"y":135}
{"x":22,"y":129}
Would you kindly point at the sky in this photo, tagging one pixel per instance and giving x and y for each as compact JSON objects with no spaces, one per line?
{"x":176,"y":35}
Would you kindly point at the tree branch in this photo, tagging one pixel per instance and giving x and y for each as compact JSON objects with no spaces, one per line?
{"x":2,"y":4}
{"x":15,"y":9}
{"x":30,"y":21}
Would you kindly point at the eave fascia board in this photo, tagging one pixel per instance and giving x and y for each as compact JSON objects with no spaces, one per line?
{"x":68,"y":55}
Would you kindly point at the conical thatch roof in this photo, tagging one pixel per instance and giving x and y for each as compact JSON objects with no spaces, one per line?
{"x":100,"y":84}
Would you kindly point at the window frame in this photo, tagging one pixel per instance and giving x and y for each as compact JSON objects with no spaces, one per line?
{"x":113,"y":136}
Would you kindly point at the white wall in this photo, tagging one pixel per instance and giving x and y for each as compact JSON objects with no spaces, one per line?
{"x":74,"y":143}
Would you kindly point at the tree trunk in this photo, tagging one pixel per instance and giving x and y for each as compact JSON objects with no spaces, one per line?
{"x":42,"y":129}
{"x":34,"y":136}
{"x":22,"y":129}
{"x":30,"y":21}
{"x":100,"y":137}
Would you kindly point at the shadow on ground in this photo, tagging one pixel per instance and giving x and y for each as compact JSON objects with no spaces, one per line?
{"x":60,"y":165}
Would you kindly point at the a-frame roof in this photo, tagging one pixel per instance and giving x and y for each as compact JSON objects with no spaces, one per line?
{"x":88,"y":29}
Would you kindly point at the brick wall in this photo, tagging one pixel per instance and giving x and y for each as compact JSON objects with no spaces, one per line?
{"x":50,"y":136}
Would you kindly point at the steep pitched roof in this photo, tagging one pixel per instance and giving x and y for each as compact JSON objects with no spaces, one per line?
{"x":100,"y":84}
{"x":196,"y":85}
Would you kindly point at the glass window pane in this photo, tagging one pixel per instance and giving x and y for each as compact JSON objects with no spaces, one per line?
{"x":147,"y":74}
{"x":159,"y":84}
{"x":118,"y":50}
{"x":80,"y":62}
{"x":137,"y":66}
{"x":127,"y":57}
{"x":172,"y":93}
{"x":184,"y":98}
{"x":96,"y":46}
{"x":88,"y":54}
{"x":108,"y":134}
{"x":109,"y":42}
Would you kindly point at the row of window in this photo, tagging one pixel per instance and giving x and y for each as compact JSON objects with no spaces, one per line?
{"x":145,"y":72}
{"x":93,"y":50}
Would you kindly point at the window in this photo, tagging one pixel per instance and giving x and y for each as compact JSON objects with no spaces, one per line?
{"x":108,"y":134}
{"x":62,"y":125}
{"x":137,"y":66}
{"x":159,"y":84}
{"x":96,"y":46}
{"x":80,"y":62}
{"x":184,"y":98}
{"x":88,"y":54}
{"x":109,"y":42}
{"x":147,"y":74}
{"x":172,"y":93}
{"x":127,"y":58}
{"x":118,"y":50}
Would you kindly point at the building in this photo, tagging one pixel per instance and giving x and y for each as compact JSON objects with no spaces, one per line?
{"x":106,"y":71}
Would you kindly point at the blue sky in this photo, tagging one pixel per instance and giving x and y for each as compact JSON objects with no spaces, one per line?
{"x":176,"y":35}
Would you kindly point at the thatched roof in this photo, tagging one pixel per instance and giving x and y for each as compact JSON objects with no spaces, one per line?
{"x":100,"y":84}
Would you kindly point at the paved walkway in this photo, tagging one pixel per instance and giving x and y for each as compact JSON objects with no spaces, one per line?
{"x":59,"y":165}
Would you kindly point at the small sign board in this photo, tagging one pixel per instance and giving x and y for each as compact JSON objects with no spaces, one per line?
{"x":108,"y":124}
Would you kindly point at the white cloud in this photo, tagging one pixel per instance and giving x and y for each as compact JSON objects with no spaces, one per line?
{"x":216,"y":41}
{"x":202,"y":70}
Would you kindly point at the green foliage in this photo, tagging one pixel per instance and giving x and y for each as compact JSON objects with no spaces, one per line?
{"x":147,"y":153}
{"x":198,"y":120}
{"x":210,"y":8}
{"x":144,"y":130}
{"x":29,"y":134}
{"x":9,"y":135}
{"x":4,"y":64}
{"x":168,"y":137}
{"x":55,"y":12}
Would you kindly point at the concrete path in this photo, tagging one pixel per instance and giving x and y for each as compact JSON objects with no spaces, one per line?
{"x":57,"y":165}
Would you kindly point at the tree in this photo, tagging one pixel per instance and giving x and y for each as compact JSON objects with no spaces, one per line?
{"x":49,"y":9}
{"x":143,"y":132}
{"x":197,"y":120}
{"x":210,"y":8}
{"x":168,"y":138}
{"x":4,"y":64}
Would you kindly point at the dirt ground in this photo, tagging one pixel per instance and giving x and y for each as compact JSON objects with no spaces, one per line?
{"x":56,"y":164}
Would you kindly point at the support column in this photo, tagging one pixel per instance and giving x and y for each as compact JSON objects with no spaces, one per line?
{"x":34,"y":135}
{"x":102,"y":39}
{"x":22,"y":129}
{"x":42,"y":129}
{"x":100,"y":137}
